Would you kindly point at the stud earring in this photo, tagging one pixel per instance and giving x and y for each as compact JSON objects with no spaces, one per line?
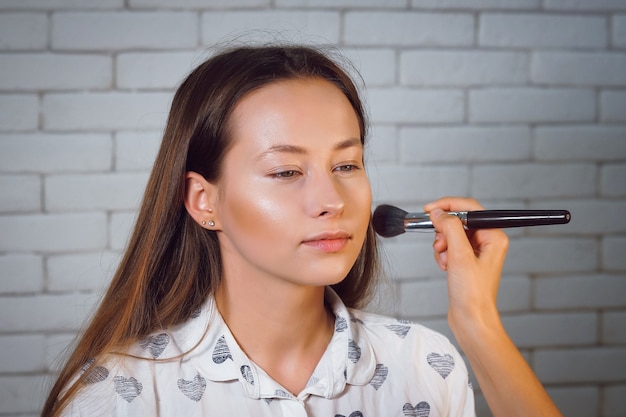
{"x":211,"y":223}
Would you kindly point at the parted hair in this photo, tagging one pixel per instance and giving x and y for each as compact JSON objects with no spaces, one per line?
{"x":171,"y":264}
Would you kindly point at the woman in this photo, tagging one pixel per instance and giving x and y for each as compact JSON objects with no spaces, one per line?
{"x":253,"y":250}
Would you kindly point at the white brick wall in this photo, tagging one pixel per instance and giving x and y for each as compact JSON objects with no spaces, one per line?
{"x":521,"y":30}
{"x":519,"y":103}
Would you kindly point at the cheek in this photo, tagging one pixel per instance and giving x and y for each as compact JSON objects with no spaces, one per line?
{"x":248,"y":210}
{"x":363,"y":195}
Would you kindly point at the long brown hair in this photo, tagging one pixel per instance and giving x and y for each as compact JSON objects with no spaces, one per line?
{"x":172,"y":264}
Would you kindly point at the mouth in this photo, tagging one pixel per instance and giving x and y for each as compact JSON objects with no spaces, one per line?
{"x":328,"y":242}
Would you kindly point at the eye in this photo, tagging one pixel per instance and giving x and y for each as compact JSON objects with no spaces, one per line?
{"x":290,"y":173}
{"x":346,"y":168}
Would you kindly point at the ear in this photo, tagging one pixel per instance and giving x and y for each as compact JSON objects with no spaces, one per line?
{"x":200,"y":199}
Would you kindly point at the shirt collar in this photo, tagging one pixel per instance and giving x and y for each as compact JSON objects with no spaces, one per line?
{"x":348,"y":359}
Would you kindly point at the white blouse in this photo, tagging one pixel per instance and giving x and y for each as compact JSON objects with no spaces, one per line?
{"x":373,"y":366}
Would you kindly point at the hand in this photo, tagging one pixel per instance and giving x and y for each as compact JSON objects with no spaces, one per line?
{"x":473,"y":260}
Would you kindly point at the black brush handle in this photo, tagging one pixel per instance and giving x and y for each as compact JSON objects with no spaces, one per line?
{"x":496,"y":219}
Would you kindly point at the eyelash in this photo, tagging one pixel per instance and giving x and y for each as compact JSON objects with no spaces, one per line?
{"x":351,"y":167}
{"x":291,"y":173}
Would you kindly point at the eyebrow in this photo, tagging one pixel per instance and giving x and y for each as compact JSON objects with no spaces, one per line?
{"x":298,"y":150}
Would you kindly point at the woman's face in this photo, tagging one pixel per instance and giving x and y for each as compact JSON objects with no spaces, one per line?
{"x":293,"y":200}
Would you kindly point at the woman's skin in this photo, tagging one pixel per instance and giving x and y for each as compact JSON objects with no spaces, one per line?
{"x":291,"y":210}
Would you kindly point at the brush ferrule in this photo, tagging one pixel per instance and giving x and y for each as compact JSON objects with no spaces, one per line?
{"x":421,"y":221}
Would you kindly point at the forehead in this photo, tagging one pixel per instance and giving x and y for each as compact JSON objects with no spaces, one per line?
{"x":300,"y":92}
{"x":294,"y":110}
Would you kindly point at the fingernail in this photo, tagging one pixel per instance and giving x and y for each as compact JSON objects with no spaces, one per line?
{"x":436,"y":212}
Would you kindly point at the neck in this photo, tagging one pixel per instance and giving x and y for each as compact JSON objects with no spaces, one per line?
{"x":281,"y":326}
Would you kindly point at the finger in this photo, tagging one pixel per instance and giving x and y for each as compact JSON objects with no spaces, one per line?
{"x":491,"y":246}
{"x":457,"y":244}
{"x":440,"y":254}
{"x":454,"y":204}
{"x":441,"y":258}
{"x":440,"y":244}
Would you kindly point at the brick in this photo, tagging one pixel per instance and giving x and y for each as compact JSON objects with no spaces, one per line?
{"x":528,"y":105}
{"x":429,"y":298}
{"x":53,"y":232}
{"x":415,"y":106}
{"x":121,"y":226}
{"x":21,"y":394}
{"x":19,"y":112}
{"x":579,"y":68}
{"x":377,"y":66}
{"x":46,"y":312}
{"x":580,"y":291}
{"x":53,"y":153}
{"x":119,"y":191}
{"x":514,"y":293}
{"x":123,"y":30}
{"x":54,"y":72}
{"x":22,"y":353}
{"x":423,"y":298}
{"x":43,"y":152}
{"x":476,"y":4}
{"x":529,"y":255}
{"x":463,"y":68}
{"x":575,"y":401}
{"x":203,"y":4}
{"x":618,"y":34}
{"x":21,"y":273}
{"x":533,"y":180}
{"x":136,"y":151}
{"x":394,"y":183}
{"x":591,"y":217}
{"x":556,"y":329}
{"x":60,"y":4}
{"x":411,"y":257}
{"x":590,"y":142}
{"x":267,"y":25}
{"x":154,"y":69}
{"x":542,"y":31}
{"x":580,"y":365}
{"x":352,"y":4}
{"x":20,"y":193}
{"x":614,"y":401}
{"x":408,"y":28}
{"x":106,"y":111}
{"x":57,"y":346}
{"x":614,"y":327}
{"x":81,"y":272}
{"x":613,"y":106}
{"x":584,"y":5}
{"x":382,"y":145}
{"x":464,"y":144}
{"x":23,"y":31}
{"x":613,"y":250}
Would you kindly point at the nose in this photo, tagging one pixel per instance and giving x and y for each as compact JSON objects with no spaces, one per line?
{"x":324,"y":197}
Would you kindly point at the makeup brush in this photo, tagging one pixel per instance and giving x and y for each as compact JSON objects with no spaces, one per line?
{"x":389,"y":221}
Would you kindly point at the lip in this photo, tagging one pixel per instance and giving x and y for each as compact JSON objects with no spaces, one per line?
{"x":328,"y":241}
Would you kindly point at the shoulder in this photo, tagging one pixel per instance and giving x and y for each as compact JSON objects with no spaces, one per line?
{"x":413,"y":356}
{"x":403,"y":329}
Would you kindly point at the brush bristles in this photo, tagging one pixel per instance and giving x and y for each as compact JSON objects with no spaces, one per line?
{"x":388,"y":221}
